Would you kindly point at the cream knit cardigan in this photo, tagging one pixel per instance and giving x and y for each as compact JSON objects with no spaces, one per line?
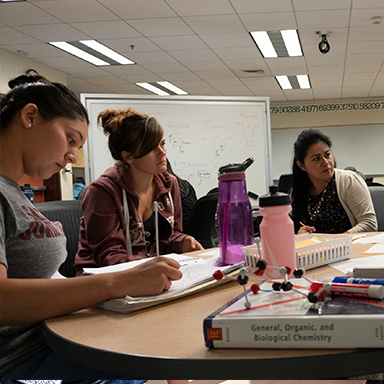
{"x":356,"y":199}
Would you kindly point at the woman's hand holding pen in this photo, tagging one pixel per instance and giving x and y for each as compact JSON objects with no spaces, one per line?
{"x":147,"y":279}
{"x":306,"y":229}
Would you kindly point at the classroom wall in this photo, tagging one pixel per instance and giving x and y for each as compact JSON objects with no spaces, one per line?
{"x":12,"y":65}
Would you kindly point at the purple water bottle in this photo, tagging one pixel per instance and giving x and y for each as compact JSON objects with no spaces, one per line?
{"x":234,"y":213}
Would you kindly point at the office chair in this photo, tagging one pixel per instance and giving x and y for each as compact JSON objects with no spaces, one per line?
{"x":68,"y":212}
{"x":285,"y":183}
{"x":377,"y":195}
{"x":202,"y":221}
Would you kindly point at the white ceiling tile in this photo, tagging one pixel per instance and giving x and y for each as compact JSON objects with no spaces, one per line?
{"x":246,"y":64}
{"x":24,"y":13}
{"x":361,"y":76}
{"x":269,"y":21}
{"x":126,"y":70}
{"x":368,"y":4}
{"x":194,"y":55}
{"x":239,"y":53}
{"x":128,"y":89}
{"x":200,"y":7}
{"x":166,"y":67}
{"x":169,"y":26}
{"x":71,"y":11}
{"x":212,"y":65}
{"x":328,"y":93}
{"x":311,"y":5}
{"x":179,"y":76}
{"x":139,"y":9}
{"x":37,"y":50}
{"x":173,"y":43}
{"x":10,"y":36}
{"x":323,"y":20}
{"x":328,"y":59}
{"x":371,"y":33}
{"x":225,"y":82}
{"x":143,"y":78}
{"x":192,"y":42}
{"x":228,"y":40}
{"x":365,"y":47}
{"x":365,"y":59}
{"x":358,"y":68}
{"x":151,"y":57}
{"x":251,"y":6}
{"x":362,"y":17}
{"x":123,"y":46}
{"x":106,"y":29}
{"x":214,"y":24}
{"x":54,"y":32}
{"x":299,"y":94}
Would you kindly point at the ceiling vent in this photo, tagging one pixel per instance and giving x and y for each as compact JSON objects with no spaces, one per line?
{"x":254,"y":71}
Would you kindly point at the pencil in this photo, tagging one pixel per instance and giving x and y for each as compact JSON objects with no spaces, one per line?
{"x":302,"y":224}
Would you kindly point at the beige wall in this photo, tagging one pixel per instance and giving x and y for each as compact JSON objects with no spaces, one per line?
{"x":12,"y":65}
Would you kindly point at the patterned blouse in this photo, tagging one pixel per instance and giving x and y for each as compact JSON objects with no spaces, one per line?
{"x":332,"y":217}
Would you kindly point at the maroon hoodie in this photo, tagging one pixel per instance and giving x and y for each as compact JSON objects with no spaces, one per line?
{"x":102,"y":227}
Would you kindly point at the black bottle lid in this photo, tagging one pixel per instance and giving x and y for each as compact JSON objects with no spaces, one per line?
{"x":236,"y":167}
{"x":274,"y":198}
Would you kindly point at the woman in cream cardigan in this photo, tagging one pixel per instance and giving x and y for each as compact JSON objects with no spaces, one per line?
{"x":326,"y":199}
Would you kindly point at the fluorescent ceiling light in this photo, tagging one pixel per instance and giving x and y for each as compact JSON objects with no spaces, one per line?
{"x":172,"y":87}
{"x":284,"y":82}
{"x":291,"y":40}
{"x":162,"y":88}
{"x":278,"y":43}
{"x":106,"y":51}
{"x":93,"y":52}
{"x":303,"y":81}
{"x":153,"y":89}
{"x":8,"y":1}
{"x":78,"y":52}
{"x":294,"y":82}
{"x":264,"y":43}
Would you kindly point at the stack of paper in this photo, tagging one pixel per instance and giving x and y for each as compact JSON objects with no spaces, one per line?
{"x":197,"y":276}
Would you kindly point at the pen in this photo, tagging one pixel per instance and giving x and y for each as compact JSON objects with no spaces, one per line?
{"x":358,"y":280}
{"x":351,"y":290}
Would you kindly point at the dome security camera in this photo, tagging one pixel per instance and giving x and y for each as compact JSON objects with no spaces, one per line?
{"x":324,"y":46}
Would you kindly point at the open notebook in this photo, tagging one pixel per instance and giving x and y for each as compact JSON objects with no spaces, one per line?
{"x":197,"y":276}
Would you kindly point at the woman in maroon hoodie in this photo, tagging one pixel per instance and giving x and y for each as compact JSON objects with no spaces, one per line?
{"x":118,"y":223}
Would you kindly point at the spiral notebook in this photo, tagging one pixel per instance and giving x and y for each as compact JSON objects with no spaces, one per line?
{"x":197,"y":276}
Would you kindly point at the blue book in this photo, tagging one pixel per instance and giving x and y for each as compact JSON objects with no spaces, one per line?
{"x":278,"y":319}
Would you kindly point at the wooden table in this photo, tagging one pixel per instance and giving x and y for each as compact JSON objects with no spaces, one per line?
{"x":167,"y":341}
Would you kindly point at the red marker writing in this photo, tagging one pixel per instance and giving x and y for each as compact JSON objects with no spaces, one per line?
{"x":352,"y":290}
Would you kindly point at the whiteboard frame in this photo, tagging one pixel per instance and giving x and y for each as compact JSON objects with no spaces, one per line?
{"x":88,"y":98}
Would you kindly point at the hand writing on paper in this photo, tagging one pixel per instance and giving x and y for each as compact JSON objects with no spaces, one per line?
{"x":190,"y":244}
{"x":306,"y":229}
{"x":148,"y":279}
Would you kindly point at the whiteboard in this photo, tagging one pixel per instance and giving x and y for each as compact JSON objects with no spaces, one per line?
{"x":201,"y":134}
{"x":359,"y":146}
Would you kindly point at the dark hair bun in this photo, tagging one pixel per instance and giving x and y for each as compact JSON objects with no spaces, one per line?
{"x":27,"y":79}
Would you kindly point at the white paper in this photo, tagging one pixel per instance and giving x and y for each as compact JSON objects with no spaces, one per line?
{"x":346,"y":266}
{"x":376,"y":249}
{"x":379,"y":239}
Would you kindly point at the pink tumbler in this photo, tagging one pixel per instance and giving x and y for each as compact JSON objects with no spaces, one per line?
{"x":277,"y":232}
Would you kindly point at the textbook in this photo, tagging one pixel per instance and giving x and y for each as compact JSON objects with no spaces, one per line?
{"x":278,"y":319}
{"x":197,"y":276}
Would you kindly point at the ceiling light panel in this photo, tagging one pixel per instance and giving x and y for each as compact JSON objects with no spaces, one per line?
{"x":93,"y":52}
{"x":153,"y":89}
{"x":284,"y":43}
{"x":294,"y":82}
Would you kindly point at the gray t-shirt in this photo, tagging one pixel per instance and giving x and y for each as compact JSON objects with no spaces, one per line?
{"x":31,"y":247}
